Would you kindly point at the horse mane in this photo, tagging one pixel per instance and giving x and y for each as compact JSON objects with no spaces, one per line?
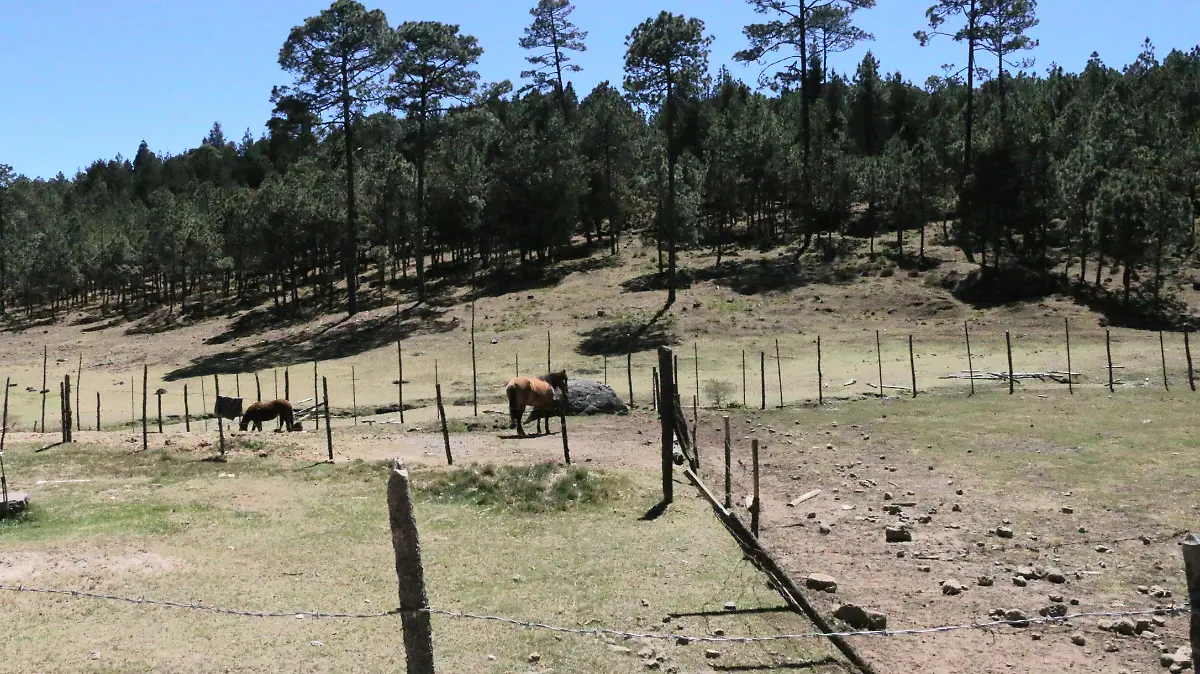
{"x":556,"y":379}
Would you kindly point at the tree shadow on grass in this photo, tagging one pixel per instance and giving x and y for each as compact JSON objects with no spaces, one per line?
{"x":627,"y":336}
{"x":753,"y":276}
{"x":346,"y":337}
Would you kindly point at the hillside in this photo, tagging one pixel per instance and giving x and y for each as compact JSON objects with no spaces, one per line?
{"x":748,"y":303}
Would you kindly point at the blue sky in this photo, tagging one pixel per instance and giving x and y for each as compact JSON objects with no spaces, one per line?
{"x":87,"y":79}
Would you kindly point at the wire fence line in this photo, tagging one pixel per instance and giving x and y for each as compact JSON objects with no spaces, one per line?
{"x":1173,"y":609}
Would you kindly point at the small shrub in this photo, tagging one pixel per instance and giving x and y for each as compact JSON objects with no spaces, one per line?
{"x":718,"y":391}
{"x":543,"y":487}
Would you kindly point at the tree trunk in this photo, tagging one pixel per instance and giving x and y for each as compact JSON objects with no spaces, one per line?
{"x":350,"y":254}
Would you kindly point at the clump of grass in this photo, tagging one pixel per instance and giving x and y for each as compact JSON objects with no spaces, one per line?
{"x":543,"y":487}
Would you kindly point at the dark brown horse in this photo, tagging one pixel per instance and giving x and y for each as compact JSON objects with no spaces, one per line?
{"x":535,"y":392}
{"x":261,"y":411}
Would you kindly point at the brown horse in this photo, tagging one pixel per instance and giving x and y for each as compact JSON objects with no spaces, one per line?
{"x":535,"y":392}
{"x":265,"y":411}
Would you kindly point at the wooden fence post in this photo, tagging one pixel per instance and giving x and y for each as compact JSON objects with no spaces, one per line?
{"x":328,"y":425}
{"x":437,"y":387}
{"x":970,"y":362}
{"x":97,"y":410}
{"x":756,"y":506}
{"x":629,"y":374}
{"x":744,"y":403}
{"x":287,"y":384}
{"x":666,"y":402}
{"x":1162,"y":349}
{"x":605,"y":370}
{"x":653,"y":389}
{"x":414,"y":618}
{"x":1008,"y":346}
{"x":237,"y":384}
{"x":728,"y":481}
{"x":820,"y":375}
{"x":1108,"y":351}
{"x":762,"y":377}
{"x":257,"y":387}
{"x":3,"y":435}
{"x":1070,"y":373}
{"x":474,"y":371}
{"x":1191,"y":565}
{"x":548,"y":351}
{"x":132,"y":402}
{"x":159,"y":394}
{"x":316,"y":396}
{"x":695,"y":425}
{"x":879,"y":362}
{"x":1187,"y":349}
{"x":562,"y":424}
{"x":696,"y":370}
{"x":353,"y":393}
{"x":204,"y":403}
{"x":62,"y":423}
{"x":276,"y":375}
{"x":187,"y":416}
{"x":68,"y":417}
{"x":779,"y":370}
{"x":45,"y":383}
{"x":400,"y":376}
{"x":145,"y":399}
{"x":220,"y":419}
{"x":79,"y":394}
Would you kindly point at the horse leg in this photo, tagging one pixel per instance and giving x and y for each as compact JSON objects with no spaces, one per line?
{"x":517,"y":420}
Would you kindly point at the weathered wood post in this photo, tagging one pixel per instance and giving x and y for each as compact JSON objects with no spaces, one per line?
{"x":779,"y":371}
{"x":287,"y":384}
{"x":1008,"y":346}
{"x":414,"y":616}
{"x":97,"y":410}
{"x":666,"y":398}
{"x":316,"y":396}
{"x":762,"y":377}
{"x":744,"y":403}
{"x":728,"y":480}
{"x":3,"y":435}
{"x":132,"y":402}
{"x":204,"y":402}
{"x":400,"y":376}
{"x":696,"y":370}
{"x":79,"y":394}
{"x":237,"y":384}
{"x":1162,"y":349}
{"x":912,"y":364}
{"x":548,"y":351}
{"x":328,"y":425}
{"x":629,"y":374}
{"x":68,"y":417}
{"x":1187,"y":349}
{"x":879,"y":362}
{"x":275,"y":373}
{"x":187,"y":415}
{"x":1070,"y":373}
{"x":756,"y":506}
{"x":353,"y":393}
{"x":220,"y":418}
{"x":606,"y":370}
{"x":970,"y":363}
{"x":820,"y":375}
{"x":1108,"y":351}
{"x":145,"y":399}
{"x":45,"y":383}
{"x":1191,"y":565}
{"x":653,"y":389}
{"x":437,"y":387}
{"x":695,"y":425}
{"x":474,"y":371}
{"x":257,"y":387}
{"x":562,"y":424}
{"x":159,"y":394}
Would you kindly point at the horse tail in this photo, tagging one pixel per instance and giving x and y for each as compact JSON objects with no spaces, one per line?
{"x":511,"y":390}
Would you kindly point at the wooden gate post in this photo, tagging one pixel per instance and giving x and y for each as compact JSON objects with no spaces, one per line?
{"x":328,"y":425}
{"x":1191,"y":565}
{"x":187,"y":415}
{"x":145,"y":383}
{"x":666,"y":406}
{"x":414,"y":604}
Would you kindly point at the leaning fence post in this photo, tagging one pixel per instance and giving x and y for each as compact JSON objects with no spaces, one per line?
{"x":971,"y":363}
{"x":762,"y":376}
{"x":666,"y":402}
{"x":779,"y":371}
{"x":755,"y":508}
{"x":728,"y":487}
{"x":744,"y":403}
{"x":912,"y":363}
{"x":1187,"y":349}
{"x":562,"y":425}
{"x":353,"y":393}
{"x":68,"y":419}
{"x":653,"y":388}
{"x":879,"y":362}
{"x":437,"y":387}
{"x":695,"y":426}
{"x":97,"y":410}
{"x":158,"y":395}
{"x":1070,"y":373}
{"x":79,"y":395}
{"x":414,"y":604}
{"x":1191,"y":565}
{"x":257,"y":387}
{"x":220,"y":418}
{"x":316,"y":394}
{"x":629,"y":374}
{"x":1162,"y":349}
{"x":145,"y":396}
{"x":187,"y":417}
{"x":820,"y":375}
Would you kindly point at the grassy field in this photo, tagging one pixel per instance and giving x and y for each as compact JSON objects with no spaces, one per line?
{"x":532,"y":542}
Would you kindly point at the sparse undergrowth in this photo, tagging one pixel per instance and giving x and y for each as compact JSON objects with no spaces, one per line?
{"x":542,"y":487}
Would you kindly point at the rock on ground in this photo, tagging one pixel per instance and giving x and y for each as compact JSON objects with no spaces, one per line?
{"x":860,"y":618}
{"x":585,"y":397}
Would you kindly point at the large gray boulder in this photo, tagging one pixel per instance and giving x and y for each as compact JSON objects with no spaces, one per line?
{"x":585,"y":396}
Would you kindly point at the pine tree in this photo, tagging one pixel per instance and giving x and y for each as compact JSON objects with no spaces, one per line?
{"x":553,"y":34}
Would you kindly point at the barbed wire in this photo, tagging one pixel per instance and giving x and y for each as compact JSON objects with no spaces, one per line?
{"x":602,"y":631}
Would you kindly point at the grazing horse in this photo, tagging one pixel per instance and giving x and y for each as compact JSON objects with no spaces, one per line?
{"x":535,"y":392}
{"x":265,"y":411}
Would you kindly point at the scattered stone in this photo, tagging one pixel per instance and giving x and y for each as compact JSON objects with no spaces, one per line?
{"x":1019,"y":581}
{"x":730,"y":606}
{"x":825,"y":529}
{"x":985,"y":581}
{"x":1055,"y":576}
{"x":718,"y":632}
{"x":1053,"y":611}
{"x":1124,"y":626}
{"x":1004,"y":532}
{"x":1143,"y":589}
{"x":951,"y":587}
{"x":1078,"y":639}
{"x":897,"y":534}
{"x":619,"y":649}
{"x":1067,"y":510}
{"x":535,"y":657}
{"x":924,"y":519}
{"x":1161,"y":593}
{"x":1036,"y":637}
{"x":924,"y":568}
{"x":1028,"y":573}
{"x":682,"y":641}
{"x":712,"y":653}
{"x":1017,"y":617}
{"x":859,"y":618}
{"x":956,"y":508}
{"x":1056,"y":598}
{"x":1110,"y":647}
{"x":1103,"y":548}
{"x":821,"y":582}
{"x":887,"y":495}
